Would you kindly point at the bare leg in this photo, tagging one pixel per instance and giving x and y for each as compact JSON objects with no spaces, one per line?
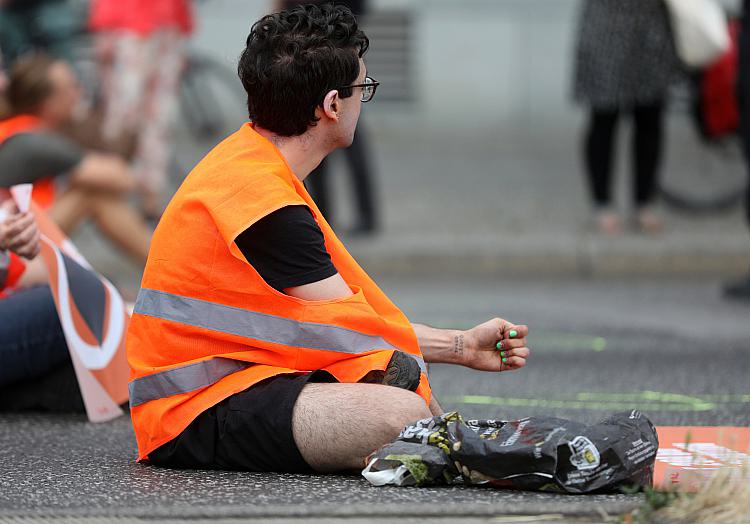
{"x":435,"y":408}
{"x":336,"y":426}
{"x":113,"y":216}
{"x":122,"y":225}
{"x":71,"y":208}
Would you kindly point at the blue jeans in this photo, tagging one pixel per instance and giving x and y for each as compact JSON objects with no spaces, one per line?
{"x":32,"y":343}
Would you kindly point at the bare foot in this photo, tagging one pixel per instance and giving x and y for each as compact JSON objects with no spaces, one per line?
{"x":608,"y":223}
{"x":649,"y":222}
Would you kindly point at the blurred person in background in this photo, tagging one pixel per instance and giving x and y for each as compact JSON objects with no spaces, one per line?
{"x":356,"y":155}
{"x":37,"y":25}
{"x":71,"y":183}
{"x":625,"y":63}
{"x":35,"y":367}
{"x":141,"y":50}
{"x":741,"y":290}
{"x":3,"y":86}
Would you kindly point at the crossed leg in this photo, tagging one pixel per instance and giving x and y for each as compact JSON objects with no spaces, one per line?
{"x":336,"y":426}
{"x":112,"y":215}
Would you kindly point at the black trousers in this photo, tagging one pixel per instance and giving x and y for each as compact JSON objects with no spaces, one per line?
{"x":356,"y":158}
{"x":646,"y":150}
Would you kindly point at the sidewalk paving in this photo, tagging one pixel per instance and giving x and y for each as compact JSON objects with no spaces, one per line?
{"x":513,"y":202}
{"x":504,"y":202}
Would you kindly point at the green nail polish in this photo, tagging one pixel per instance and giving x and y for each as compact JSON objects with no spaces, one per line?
{"x":513,"y":333}
{"x":505,"y":360}
{"x":502,"y":354}
{"x":499,"y":345}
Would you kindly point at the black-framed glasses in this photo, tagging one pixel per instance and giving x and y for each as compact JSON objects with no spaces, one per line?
{"x":369,"y":86}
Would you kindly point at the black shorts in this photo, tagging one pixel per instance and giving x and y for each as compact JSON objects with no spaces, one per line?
{"x":249,"y":431}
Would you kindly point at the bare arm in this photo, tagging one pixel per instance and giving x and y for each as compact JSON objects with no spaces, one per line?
{"x":329,"y":288}
{"x":441,"y":341}
{"x":496,"y":345}
{"x":475,"y":348}
{"x":440,"y":346}
{"x":103,"y":172}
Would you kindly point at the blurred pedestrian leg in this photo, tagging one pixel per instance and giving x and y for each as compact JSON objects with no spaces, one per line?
{"x":647,"y":147}
{"x":647,"y":152}
{"x":625,"y":63}
{"x":741,"y":290}
{"x":358,"y":166}
{"x":357,"y":157}
{"x":599,"y":150}
{"x":141,"y":59}
{"x":140,"y":94}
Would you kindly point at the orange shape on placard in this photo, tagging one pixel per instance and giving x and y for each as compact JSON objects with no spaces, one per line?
{"x":689,"y":456}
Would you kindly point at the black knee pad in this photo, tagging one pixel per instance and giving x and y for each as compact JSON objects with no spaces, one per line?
{"x":402,"y":372}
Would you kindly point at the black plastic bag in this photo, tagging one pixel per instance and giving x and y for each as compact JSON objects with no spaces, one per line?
{"x":535,"y":453}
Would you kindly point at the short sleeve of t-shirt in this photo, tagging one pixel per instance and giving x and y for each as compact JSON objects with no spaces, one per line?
{"x":287,"y":248}
{"x":27,"y":157}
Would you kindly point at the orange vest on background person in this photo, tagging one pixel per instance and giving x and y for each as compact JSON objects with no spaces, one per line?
{"x":44,"y":188}
{"x":206,"y":325}
{"x":12,"y":268}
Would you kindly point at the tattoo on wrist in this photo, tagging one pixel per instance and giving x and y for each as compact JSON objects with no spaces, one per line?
{"x":458,"y":345}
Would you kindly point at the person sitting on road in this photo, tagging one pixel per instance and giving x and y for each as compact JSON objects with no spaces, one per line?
{"x":257,"y":342}
{"x":72,"y":184}
{"x":35,"y":367}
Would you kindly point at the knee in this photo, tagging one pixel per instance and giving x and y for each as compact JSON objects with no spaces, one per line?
{"x":101,"y":201}
{"x":129,"y":181}
{"x":121,"y":179}
{"x":405,"y":409}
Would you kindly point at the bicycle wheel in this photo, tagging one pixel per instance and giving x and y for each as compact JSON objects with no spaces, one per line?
{"x":212,"y":101}
{"x":212,"y":105}
{"x":715,"y":184}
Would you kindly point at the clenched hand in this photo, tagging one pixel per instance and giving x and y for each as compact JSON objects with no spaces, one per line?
{"x":18,"y":232}
{"x":496,"y":345}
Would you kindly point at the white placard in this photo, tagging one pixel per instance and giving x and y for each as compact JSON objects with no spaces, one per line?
{"x":22,"y":195}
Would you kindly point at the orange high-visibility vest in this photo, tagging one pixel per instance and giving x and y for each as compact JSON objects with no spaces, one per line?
{"x":206,"y":325}
{"x":44,"y":188}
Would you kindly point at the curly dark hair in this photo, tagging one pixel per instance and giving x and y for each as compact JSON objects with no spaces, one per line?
{"x":293,"y":59}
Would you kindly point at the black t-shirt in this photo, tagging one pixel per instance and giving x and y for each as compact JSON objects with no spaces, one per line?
{"x":27,"y":157}
{"x":287,"y":248}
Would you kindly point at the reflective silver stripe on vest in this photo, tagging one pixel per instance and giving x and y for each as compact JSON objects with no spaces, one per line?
{"x":182,"y":380}
{"x":244,"y":323}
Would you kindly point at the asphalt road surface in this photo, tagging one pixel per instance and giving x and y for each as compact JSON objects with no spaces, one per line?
{"x":673,"y":349}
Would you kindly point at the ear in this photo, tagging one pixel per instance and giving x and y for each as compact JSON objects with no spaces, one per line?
{"x":332,"y":105}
